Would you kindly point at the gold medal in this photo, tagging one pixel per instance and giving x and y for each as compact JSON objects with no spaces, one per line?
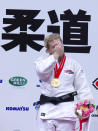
{"x":55,"y":82}
{"x":57,"y":71}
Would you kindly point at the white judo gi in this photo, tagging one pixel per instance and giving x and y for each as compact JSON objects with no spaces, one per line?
{"x":72,"y":78}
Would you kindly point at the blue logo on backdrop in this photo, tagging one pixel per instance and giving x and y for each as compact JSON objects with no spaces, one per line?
{"x":1,"y":81}
{"x":22,"y":108}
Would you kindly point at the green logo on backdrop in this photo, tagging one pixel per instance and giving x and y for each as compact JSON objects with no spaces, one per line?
{"x":18,"y":81}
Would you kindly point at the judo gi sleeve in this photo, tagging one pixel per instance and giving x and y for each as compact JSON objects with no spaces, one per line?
{"x":45,"y":67}
{"x":81,"y":85}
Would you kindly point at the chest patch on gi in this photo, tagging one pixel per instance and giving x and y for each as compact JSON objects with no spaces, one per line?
{"x":43,"y":114}
{"x":69,"y":71}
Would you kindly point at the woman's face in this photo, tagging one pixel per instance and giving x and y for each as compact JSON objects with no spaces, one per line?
{"x":53,"y":44}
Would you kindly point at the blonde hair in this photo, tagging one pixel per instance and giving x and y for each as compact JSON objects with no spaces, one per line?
{"x":50,"y":38}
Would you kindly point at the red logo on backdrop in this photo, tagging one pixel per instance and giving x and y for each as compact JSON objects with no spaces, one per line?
{"x":95,"y":83}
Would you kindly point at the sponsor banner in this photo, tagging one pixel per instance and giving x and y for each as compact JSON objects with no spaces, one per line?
{"x":95,"y":83}
{"x":22,"y":108}
{"x":18,"y":81}
{"x":23,"y":27}
{"x":1,"y":81}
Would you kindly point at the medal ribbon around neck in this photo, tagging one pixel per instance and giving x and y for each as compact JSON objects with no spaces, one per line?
{"x":57,"y":71}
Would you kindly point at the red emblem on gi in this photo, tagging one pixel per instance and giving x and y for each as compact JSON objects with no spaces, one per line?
{"x":69,"y":71}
